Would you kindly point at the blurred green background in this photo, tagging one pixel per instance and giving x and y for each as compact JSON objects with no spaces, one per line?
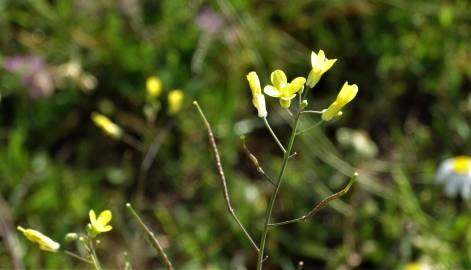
{"x":64,"y":59}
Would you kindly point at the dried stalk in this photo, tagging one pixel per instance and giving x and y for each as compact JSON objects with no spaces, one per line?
{"x":222,"y":177}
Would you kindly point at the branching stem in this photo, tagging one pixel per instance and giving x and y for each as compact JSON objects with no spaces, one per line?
{"x":275,"y":194}
{"x":321,"y":204}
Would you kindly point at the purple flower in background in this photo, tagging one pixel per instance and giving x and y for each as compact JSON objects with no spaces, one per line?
{"x":209,"y":21}
{"x":33,"y":72}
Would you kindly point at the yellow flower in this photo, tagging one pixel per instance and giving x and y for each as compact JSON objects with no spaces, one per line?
{"x":417,"y":266}
{"x":320,"y":64}
{"x":100,"y":224}
{"x":175,"y":101}
{"x":153,"y":86}
{"x":346,"y":94}
{"x":45,"y":243}
{"x":280,"y":87}
{"x":106,"y":125}
{"x":258,"y":99}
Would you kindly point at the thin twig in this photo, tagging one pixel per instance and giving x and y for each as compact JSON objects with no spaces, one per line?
{"x":149,"y":157}
{"x":131,"y":141}
{"x":9,"y":238}
{"x":255,"y":162}
{"x":309,"y":128}
{"x":213,"y":144}
{"x":155,"y":243}
{"x":127,"y":263}
{"x":314,"y":112}
{"x":76,"y":256}
{"x":289,"y":112}
{"x":93,"y":255}
{"x":321,"y":204}
{"x":274,"y":135}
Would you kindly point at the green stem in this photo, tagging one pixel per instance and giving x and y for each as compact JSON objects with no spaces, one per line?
{"x":275,"y":194}
{"x":93,"y":256}
{"x":274,"y":135}
{"x":155,"y":243}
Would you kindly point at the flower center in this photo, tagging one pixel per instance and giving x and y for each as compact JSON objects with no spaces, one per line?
{"x":461,"y":164}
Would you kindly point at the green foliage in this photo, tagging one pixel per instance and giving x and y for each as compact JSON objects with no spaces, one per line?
{"x":410,"y":60}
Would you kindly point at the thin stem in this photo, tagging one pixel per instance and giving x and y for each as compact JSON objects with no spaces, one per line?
{"x":289,"y":112}
{"x":321,"y":204}
{"x":274,"y":135}
{"x":127,"y":263}
{"x":255,"y":162}
{"x":311,"y":111}
{"x":222,"y":177}
{"x":93,"y":256}
{"x":155,"y":243}
{"x":131,"y":141}
{"x":275,"y":194}
{"x":309,"y":128}
{"x":146,"y":163}
{"x":76,"y":256}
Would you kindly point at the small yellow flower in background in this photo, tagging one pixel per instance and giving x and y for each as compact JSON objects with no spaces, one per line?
{"x":106,"y":125}
{"x":45,"y":243}
{"x":175,"y":101}
{"x":346,"y":94}
{"x":283,"y":90}
{"x":258,"y":99}
{"x":320,"y":64}
{"x":455,"y":174}
{"x":153,"y":86}
{"x":417,"y":266}
{"x":100,"y":224}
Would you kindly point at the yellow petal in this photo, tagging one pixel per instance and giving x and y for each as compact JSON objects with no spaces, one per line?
{"x":175,"y":101}
{"x":328,"y":64}
{"x":278,"y":79}
{"x":104,"y":217}
{"x":106,"y":125}
{"x":153,"y":86}
{"x":315,"y":58}
{"x":92,"y":216}
{"x":107,"y":228}
{"x":346,"y":94}
{"x":296,"y":85}
{"x":271,"y":91}
{"x":44,"y":242}
{"x":331,"y":112}
{"x":254,"y":83}
{"x":259,"y":103}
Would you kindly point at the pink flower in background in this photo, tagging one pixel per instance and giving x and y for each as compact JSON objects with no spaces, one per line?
{"x":33,"y":73}
{"x":209,"y":21}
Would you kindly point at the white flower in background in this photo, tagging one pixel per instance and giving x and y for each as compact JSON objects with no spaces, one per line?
{"x":455,"y":174}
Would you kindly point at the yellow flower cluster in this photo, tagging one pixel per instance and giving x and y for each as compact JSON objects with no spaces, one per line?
{"x":285,"y":91}
{"x":174,"y":99}
{"x":95,"y":227}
